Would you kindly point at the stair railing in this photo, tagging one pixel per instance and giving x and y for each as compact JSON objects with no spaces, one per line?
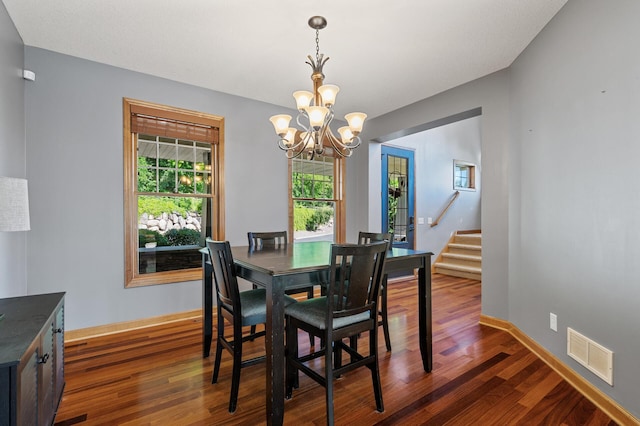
{"x":455,"y":196}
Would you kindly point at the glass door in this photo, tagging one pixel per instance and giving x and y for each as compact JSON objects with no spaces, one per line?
{"x":398,"y":195}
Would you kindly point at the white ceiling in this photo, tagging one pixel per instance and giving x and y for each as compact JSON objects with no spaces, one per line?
{"x":384,"y":54}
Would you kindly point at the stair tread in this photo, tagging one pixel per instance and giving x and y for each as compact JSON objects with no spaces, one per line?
{"x":446,"y":265}
{"x":462,"y":256}
{"x":466,"y":246}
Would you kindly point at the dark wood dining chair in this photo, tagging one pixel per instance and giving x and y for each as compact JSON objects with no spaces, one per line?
{"x":241,"y":309}
{"x":366,"y":238}
{"x":348,"y":309}
{"x":274,"y":240}
{"x":267,"y":240}
{"x":270,"y":241}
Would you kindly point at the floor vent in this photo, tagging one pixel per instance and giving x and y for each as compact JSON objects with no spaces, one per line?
{"x":595,"y":357}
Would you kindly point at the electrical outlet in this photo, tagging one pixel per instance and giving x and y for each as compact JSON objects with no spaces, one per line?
{"x":553,"y":321}
{"x":429,"y":220}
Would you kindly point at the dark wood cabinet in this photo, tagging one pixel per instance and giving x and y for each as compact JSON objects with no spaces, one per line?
{"x":31,"y":359}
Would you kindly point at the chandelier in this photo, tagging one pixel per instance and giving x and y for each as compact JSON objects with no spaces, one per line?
{"x":315,"y":114}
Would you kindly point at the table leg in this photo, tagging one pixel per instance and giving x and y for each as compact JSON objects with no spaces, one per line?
{"x":424,"y":316}
{"x":207,"y":305}
{"x":275,"y":352}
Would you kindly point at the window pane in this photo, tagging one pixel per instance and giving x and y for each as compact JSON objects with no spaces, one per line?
{"x":313,"y":178}
{"x":313,"y":221}
{"x":186,"y":181}
{"x":171,"y":230}
{"x":203,"y":183}
{"x":147,"y":179}
{"x":177,"y":162}
{"x":167,"y":181}
{"x":148,"y":152}
{"x":185,"y":158}
{"x":463,"y":175}
{"x":397,"y":208}
{"x":147,"y":161}
{"x":203,"y":159}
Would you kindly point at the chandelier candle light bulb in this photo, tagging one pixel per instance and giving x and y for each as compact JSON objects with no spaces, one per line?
{"x":356,"y":121}
{"x":303,"y":99}
{"x":316,"y":109}
{"x":345,"y":134}
{"x":290,"y":137}
{"x":328,"y":93}
{"x":281,"y":124}
{"x":316,"y":116}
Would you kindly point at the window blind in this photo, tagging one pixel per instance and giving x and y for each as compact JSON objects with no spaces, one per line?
{"x":149,"y":121}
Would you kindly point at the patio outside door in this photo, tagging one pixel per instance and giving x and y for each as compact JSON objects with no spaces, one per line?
{"x":398,"y":195}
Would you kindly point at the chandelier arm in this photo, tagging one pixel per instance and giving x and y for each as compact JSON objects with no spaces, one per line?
{"x":305,"y":115}
{"x":294,"y":154}
{"x":328,"y":118}
{"x":342,"y":149}
{"x":300,"y":145}
{"x":357,"y":141}
{"x":283,"y":145}
{"x":309,"y":146}
{"x":293,"y":151}
{"x":320,"y":140}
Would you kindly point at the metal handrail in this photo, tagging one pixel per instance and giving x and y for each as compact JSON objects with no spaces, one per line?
{"x":455,"y":196}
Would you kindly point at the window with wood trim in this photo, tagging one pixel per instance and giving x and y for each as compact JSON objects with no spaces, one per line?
{"x":317,"y":198}
{"x":464,"y":175}
{"x":173,"y":191}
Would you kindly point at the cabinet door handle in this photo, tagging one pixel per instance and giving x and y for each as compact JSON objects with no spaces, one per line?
{"x":44,"y":359}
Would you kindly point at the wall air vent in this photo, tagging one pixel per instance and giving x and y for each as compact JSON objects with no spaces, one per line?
{"x":595,"y":357}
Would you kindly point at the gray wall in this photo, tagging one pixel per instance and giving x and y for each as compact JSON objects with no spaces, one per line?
{"x":13,"y":271}
{"x":74,"y":165}
{"x":575,"y":103}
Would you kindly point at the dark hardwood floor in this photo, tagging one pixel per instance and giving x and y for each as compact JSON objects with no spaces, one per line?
{"x":481,"y":376}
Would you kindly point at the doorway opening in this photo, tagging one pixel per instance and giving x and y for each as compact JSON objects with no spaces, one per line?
{"x":438,"y":147}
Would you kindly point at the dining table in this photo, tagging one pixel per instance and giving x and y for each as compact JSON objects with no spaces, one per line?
{"x":296,"y":266}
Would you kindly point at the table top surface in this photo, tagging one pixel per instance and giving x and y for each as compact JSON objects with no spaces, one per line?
{"x":301,"y":257}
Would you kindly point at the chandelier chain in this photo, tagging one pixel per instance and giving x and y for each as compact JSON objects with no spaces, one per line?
{"x":317,"y":46}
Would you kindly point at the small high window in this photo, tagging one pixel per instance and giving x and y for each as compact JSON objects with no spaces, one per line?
{"x":464,"y":175}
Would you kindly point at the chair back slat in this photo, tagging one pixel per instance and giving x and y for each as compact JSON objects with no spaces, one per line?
{"x":267,"y":240}
{"x":224,"y":274}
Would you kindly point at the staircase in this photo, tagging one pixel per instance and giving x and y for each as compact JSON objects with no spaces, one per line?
{"x":462,"y":257}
